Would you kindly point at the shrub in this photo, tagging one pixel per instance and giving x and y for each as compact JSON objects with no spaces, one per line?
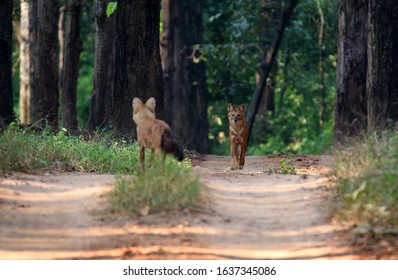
{"x":367,"y":178}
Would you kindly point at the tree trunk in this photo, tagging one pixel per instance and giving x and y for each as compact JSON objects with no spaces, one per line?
{"x":61,"y":43}
{"x":184,"y":73}
{"x":24,"y":65}
{"x":45,"y":109}
{"x":267,"y":65}
{"x":104,"y":66}
{"x":6,"y":100}
{"x":270,"y":15}
{"x":33,"y":59}
{"x":138,"y":70}
{"x":70,"y":69}
{"x":382,"y":68}
{"x":351,"y":106}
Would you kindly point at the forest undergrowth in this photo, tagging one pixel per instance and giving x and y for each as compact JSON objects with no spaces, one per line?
{"x":367,"y":187}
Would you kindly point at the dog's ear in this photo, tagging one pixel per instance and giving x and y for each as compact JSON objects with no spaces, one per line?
{"x":151,"y":104}
{"x":136,"y":103}
{"x":230,"y":107}
{"x":242,"y":107}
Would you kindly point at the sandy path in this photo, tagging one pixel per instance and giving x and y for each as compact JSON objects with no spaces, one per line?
{"x":244,"y":214}
{"x":271,"y":216}
{"x":49,"y":216}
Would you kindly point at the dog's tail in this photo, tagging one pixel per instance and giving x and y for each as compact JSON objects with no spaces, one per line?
{"x":169,"y":146}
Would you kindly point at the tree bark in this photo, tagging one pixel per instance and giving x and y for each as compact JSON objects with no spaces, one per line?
{"x":45,"y":109}
{"x":138,"y":71}
{"x":184,"y":73}
{"x":270,"y":16}
{"x":33,"y":59}
{"x":267,"y":65}
{"x":24,"y":65}
{"x":104,"y":66}
{"x":351,"y":102}
{"x":381,"y":84}
{"x":6,"y":99}
{"x":61,"y":42}
{"x":70,"y":69}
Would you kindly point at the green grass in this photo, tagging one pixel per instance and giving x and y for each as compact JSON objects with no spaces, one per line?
{"x":367,"y":180}
{"x":34,"y":153}
{"x":165,"y":185}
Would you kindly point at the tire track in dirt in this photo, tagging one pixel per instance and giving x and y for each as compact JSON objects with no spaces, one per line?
{"x":245,"y":214}
{"x":271,"y":216}
{"x":49,"y":216}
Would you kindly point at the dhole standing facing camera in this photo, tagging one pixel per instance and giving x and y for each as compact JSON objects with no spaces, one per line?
{"x":238,"y":134}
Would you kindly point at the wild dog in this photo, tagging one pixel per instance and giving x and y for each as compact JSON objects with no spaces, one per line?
{"x":152,"y":133}
{"x":238,"y":134}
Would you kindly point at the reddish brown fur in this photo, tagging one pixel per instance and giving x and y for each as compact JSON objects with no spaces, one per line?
{"x":238,"y":134}
{"x":152,"y":133}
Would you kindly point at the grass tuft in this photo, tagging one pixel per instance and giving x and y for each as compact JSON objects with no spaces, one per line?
{"x":163,"y":186}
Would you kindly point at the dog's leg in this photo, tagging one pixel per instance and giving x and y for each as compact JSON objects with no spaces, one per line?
{"x":160,"y":154}
{"x":241,"y":156}
{"x":142,"y":157}
{"x":233,"y":157}
{"x":237,"y":156}
{"x":152,"y":154}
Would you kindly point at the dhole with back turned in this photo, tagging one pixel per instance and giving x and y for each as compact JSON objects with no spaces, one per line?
{"x":238,"y":134}
{"x":152,"y":133}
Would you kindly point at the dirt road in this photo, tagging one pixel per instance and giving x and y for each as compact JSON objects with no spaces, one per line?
{"x":245,"y":214}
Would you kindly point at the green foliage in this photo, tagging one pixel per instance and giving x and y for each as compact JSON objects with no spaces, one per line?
{"x":233,"y":58}
{"x":232,"y":51}
{"x":165,"y":185}
{"x":111,"y":8}
{"x":32,"y":153}
{"x":285,"y":167}
{"x":367,"y":180}
{"x":86,"y":68}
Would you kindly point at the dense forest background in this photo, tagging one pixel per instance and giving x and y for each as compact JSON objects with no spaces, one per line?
{"x":212,"y":52}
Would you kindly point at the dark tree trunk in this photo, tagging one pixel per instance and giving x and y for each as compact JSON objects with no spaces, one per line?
{"x":267,"y":65}
{"x":382,"y":64}
{"x":61,"y":42}
{"x":104,"y":66}
{"x":70,"y":69}
{"x":138,"y":70}
{"x":270,"y":15}
{"x":392,"y":109}
{"x":45,"y":109}
{"x":6,"y":100}
{"x":33,"y":59}
{"x":184,"y":73}
{"x":351,"y":106}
